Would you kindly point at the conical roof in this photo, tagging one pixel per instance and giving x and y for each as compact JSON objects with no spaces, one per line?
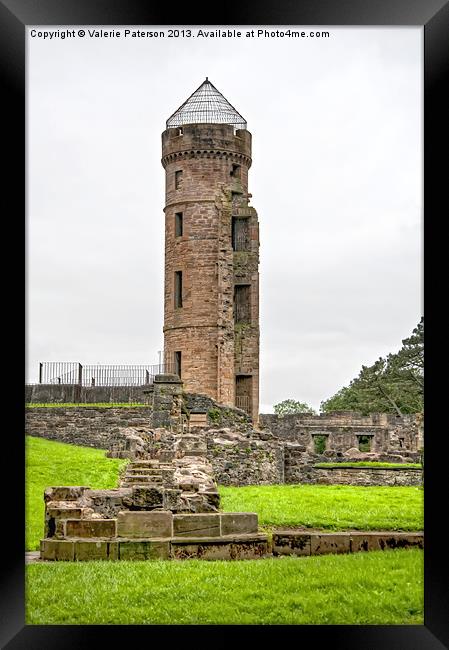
{"x":206,"y":106}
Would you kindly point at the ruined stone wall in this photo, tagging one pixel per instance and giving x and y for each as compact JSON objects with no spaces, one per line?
{"x":217,"y":415}
{"x":84,"y":426}
{"x":299,"y":467}
{"x":387,"y":432}
{"x":239,"y":459}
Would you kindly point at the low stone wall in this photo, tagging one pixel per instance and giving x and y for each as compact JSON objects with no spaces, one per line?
{"x":73,"y":394}
{"x":367,"y":476}
{"x":88,"y":427}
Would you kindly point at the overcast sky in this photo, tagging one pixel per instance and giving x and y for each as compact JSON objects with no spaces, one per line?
{"x":336,"y":180}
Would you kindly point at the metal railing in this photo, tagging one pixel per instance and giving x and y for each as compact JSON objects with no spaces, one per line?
{"x":243,"y":402}
{"x":74,"y":373}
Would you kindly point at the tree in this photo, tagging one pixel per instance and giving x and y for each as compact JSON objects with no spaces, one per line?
{"x":391,"y":385}
{"x":290,"y":406}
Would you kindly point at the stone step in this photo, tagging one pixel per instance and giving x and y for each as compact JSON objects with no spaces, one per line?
{"x":140,"y":480}
{"x":145,"y":463}
{"x":143,"y":478}
{"x":302,"y":542}
{"x":143,"y":471}
{"x":228,"y":547}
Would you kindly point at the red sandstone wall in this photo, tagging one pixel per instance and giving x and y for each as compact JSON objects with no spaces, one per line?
{"x":203,"y":328}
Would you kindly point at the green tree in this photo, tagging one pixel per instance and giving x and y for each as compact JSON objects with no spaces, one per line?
{"x":391,"y":385}
{"x":290,"y":406}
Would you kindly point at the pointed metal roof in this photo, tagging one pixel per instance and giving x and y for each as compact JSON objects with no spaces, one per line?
{"x":206,"y":106}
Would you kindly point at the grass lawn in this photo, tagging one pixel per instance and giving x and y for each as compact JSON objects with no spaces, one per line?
{"x":376,"y":588}
{"x":335,"y":507}
{"x":54,"y":463}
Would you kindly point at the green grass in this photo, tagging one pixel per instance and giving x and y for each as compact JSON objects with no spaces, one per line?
{"x":106,"y":405}
{"x":334,"y":507}
{"x":361,"y":464}
{"x":51,"y":463}
{"x":376,"y":588}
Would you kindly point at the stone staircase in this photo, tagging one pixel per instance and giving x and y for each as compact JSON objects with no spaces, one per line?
{"x":164,"y":508}
{"x":143,"y":472}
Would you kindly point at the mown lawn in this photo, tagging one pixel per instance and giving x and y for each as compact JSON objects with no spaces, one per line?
{"x":54,"y":463}
{"x":376,"y":588}
{"x":334,"y":507}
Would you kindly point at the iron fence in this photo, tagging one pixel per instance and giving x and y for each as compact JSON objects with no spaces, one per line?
{"x":75,"y":373}
{"x":243,"y":402}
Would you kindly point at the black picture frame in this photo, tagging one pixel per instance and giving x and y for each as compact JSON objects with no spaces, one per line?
{"x":433,"y":15}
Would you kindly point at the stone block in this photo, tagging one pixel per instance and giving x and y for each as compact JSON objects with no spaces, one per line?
{"x":234,"y":523}
{"x":91,"y":528}
{"x":172,"y":499}
{"x":109,"y":502}
{"x":64,"y":493}
{"x":321,"y":544}
{"x":59,"y":528}
{"x":144,"y":549}
{"x":196,"y":502}
{"x":65,"y":513}
{"x":196,"y":525}
{"x":52,"y":549}
{"x":237,"y":547}
{"x":147,"y":497}
{"x":286,"y":542}
{"x":377,"y":541}
{"x":91,"y":550}
{"x":144,"y":524}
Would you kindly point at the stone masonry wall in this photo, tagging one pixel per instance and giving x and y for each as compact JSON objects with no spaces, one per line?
{"x":387,"y":432}
{"x":367,"y":476}
{"x":71,"y":393}
{"x":239,"y":459}
{"x":88,"y":427}
{"x":239,"y":454}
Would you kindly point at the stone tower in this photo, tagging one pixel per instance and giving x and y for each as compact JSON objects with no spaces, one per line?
{"x":211,"y":299}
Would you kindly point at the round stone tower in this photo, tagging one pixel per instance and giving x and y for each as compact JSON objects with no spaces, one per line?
{"x":211,"y":304}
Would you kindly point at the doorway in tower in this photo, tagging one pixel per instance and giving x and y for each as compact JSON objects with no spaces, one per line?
{"x":243,"y":392}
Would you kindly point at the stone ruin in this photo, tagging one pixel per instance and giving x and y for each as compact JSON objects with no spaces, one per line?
{"x":164,"y":508}
{"x":167,"y":503}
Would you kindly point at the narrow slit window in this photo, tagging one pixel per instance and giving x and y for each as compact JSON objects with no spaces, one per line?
{"x":178,"y":179}
{"x":178,"y":289}
{"x":242,"y":303}
{"x":178,"y":364}
{"x":178,"y":224}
